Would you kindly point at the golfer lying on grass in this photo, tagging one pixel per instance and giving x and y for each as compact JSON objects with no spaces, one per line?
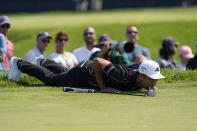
{"x":99,"y":74}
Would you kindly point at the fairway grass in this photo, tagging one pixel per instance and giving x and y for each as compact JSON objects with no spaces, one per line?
{"x":49,"y":109}
{"x":71,"y":19}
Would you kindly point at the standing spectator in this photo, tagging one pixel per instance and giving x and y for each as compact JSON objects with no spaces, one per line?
{"x":4,"y":29}
{"x":167,"y":52}
{"x":43,"y":40}
{"x":112,"y":55}
{"x":81,"y":5}
{"x":185,"y":54}
{"x":62,"y":57}
{"x":3,"y":51}
{"x":96,"y":5}
{"x":132,"y":37}
{"x":84,"y":52}
{"x":192,"y":63}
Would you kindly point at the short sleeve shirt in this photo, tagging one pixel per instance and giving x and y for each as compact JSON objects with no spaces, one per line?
{"x":169,"y":63}
{"x":83,"y":53}
{"x":33,"y":53}
{"x":139,"y":50}
{"x":66,"y":59}
{"x":121,"y":77}
{"x":9,"y":54}
{"x":3,"y":50}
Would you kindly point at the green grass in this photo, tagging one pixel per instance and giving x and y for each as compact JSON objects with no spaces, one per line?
{"x":30,"y":105}
{"x":50,"y":109}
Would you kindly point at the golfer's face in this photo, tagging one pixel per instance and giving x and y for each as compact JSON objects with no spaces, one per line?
{"x":148,"y":82}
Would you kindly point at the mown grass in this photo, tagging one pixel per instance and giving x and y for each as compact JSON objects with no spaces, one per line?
{"x":30,"y":105}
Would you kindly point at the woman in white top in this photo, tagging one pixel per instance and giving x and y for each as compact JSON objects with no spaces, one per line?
{"x":62,"y":57}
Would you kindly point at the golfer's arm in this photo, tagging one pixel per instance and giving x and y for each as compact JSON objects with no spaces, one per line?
{"x":99,"y":64}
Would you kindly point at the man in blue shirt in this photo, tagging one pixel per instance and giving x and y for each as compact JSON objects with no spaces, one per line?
{"x":43,"y":40}
{"x":139,"y":52}
{"x":3,"y":51}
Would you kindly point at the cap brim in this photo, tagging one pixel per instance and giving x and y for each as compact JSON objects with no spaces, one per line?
{"x":5,"y":22}
{"x":176,"y":43}
{"x":188,"y":56}
{"x":156,"y":76}
{"x":50,"y":37}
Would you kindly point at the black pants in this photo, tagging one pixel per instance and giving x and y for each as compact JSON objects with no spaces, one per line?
{"x":53,"y":74}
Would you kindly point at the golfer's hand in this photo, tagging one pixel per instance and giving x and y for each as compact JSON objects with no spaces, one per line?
{"x":110,"y":90}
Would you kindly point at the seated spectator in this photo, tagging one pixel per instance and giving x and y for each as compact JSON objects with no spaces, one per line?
{"x":62,"y":57}
{"x":185,"y":54}
{"x":43,"y":40}
{"x":167,"y":52}
{"x":192,"y":63}
{"x":3,"y":51}
{"x":5,"y":26}
{"x":109,"y":54}
{"x":133,"y":37}
{"x":84,"y":52}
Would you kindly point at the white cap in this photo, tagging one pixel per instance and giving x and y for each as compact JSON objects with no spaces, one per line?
{"x":151,"y":69}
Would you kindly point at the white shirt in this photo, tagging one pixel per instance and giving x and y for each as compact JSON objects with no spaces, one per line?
{"x":67,"y":59}
{"x":83,"y":53}
{"x":33,"y":53}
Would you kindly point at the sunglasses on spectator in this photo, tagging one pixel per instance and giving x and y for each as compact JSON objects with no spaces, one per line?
{"x":5,"y":26}
{"x":88,"y":33}
{"x":61,"y":40}
{"x":130,"y":32}
{"x":45,"y":41}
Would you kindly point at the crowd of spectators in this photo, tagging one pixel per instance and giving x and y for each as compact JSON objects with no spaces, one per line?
{"x":93,"y":49}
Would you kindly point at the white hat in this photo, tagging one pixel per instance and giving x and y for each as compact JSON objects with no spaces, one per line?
{"x":151,"y":69}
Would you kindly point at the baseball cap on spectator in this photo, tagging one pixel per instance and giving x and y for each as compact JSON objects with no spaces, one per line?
{"x":44,"y":35}
{"x":102,"y":38}
{"x":151,"y":69}
{"x":4,"y":20}
{"x":186,"y":52}
{"x":168,"y":41}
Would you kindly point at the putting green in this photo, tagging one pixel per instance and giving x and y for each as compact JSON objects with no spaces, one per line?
{"x":48,"y":109}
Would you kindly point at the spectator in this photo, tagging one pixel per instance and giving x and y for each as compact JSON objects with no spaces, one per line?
{"x":3,"y":51}
{"x":192,"y":63}
{"x":5,"y":29}
{"x":109,"y":54}
{"x":81,"y":5}
{"x":84,"y":52}
{"x":62,"y":57}
{"x":96,"y":5}
{"x":167,"y":51}
{"x":185,"y":54}
{"x":132,"y":37}
{"x":43,"y":40}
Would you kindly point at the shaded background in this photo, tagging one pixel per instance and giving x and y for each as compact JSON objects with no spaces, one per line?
{"x":18,"y":6}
